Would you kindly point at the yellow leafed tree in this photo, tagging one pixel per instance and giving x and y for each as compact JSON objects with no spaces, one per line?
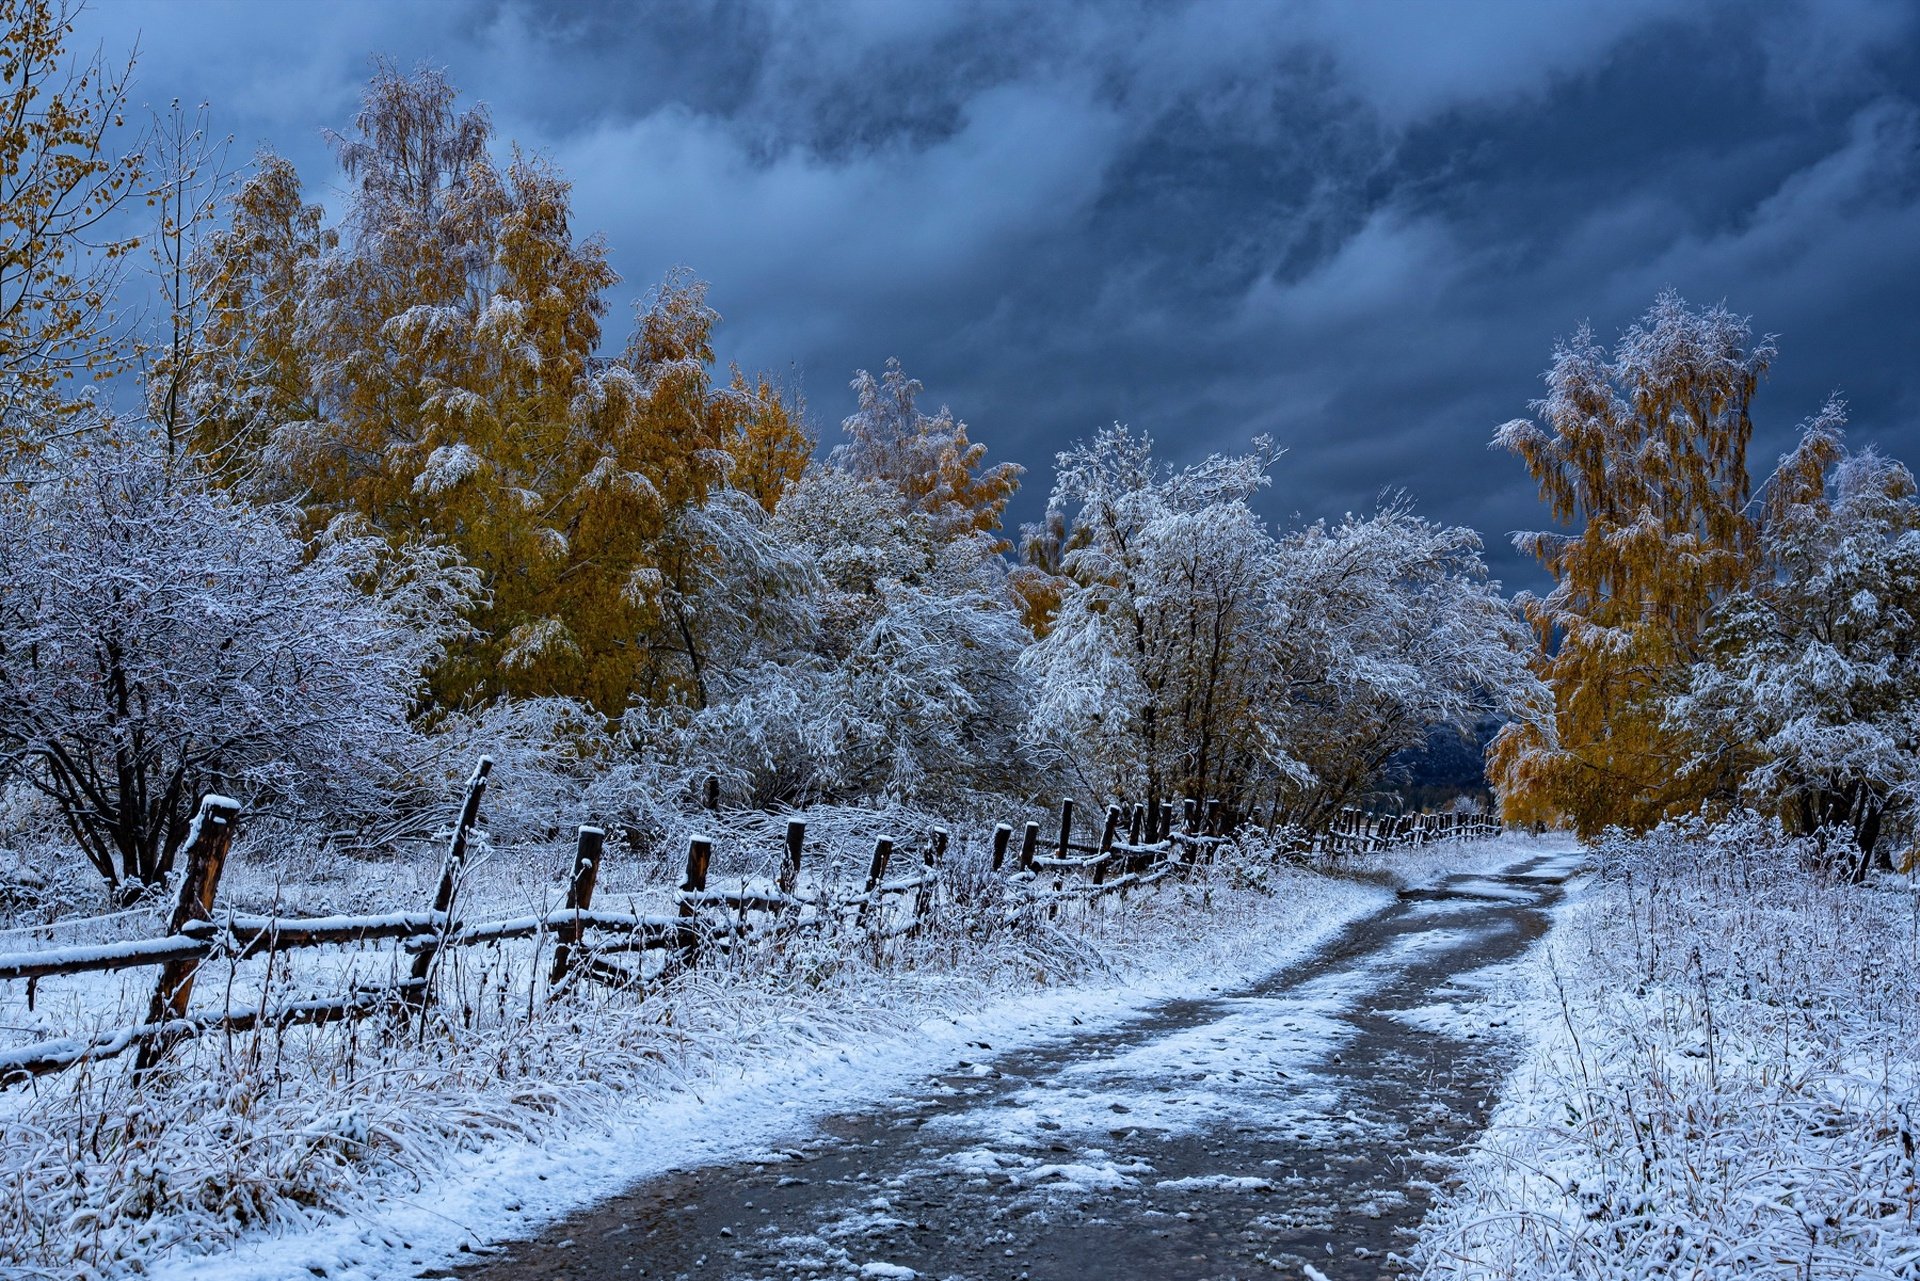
{"x":59,"y":188}
{"x":432,"y":371}
{"x":1643,"y":451}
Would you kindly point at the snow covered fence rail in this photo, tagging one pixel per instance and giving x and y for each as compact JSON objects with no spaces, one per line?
{"x":1138,"y":846}
{"x":1355,"y":831}
{"x":197,"y":934}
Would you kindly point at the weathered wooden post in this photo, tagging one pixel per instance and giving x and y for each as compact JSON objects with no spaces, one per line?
{"x":1029,"y":846}
{"x":1136,"y":823}
{"x":699,"y":858}
{"x":936,"y":853}
{"x":1002,"y":833}
{"x":789,"y":878}
{"x":1214,"y":816}
{"x":876,"y":871}
{"x":443,"y":897}
{"x":586,"y":870}
{"x":1066,"y":826}
{"x":1107,"y":836}
{"x":1190,"y":813}
{"x":208,"y":841}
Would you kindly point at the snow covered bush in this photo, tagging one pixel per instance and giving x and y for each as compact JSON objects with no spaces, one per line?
{"x":160,"y":638}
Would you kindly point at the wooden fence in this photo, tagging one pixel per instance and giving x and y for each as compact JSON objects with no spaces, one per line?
{"x":1137,"y":847}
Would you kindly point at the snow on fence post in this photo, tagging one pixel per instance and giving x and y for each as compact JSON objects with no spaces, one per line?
{"x":443,"y":897}
{"x":789,"y":878}
{"x":586,"y":870}
{"x":1029,"y":846}
{"x":1136,"y":821}
{"x":876,"y":871}
{"x":1066,"y":826}
{"x":208,"y":841}
{"x":1002,"y":833}
{"x":1190,"y":812}
{"x":1107,"y":837}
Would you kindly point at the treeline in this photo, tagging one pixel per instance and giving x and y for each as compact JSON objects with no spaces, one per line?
{"x":396,"y":493}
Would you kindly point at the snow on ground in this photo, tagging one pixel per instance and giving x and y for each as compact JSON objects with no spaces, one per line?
{"x":300,"y":1154}
{"x":1425,"y":866}
{"x":1723,"y":1077}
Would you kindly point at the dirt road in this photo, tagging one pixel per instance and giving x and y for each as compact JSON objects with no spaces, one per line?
{"x":1270,"y":1131}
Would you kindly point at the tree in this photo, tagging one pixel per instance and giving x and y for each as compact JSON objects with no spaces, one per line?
{"x":189,"y":172}
{"x":929,"y":459}
{"x":160,"y":639}
{"x":1193,"y":653}
{"x":1807,"y":702}
{"x":771,"y":445}
{"x":1151,"y":675}
{"x":1397,"y":633}
{"x":1644,"y":451}
{"x":433,"y":366}
{"x":60,"y":186}
{"x":248,"y":378}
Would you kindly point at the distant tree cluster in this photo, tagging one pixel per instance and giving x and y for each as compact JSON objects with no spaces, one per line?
{"x":1703,"y":649}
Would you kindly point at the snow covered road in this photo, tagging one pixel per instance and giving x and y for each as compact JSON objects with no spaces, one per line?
{"x":1272,"y":1130}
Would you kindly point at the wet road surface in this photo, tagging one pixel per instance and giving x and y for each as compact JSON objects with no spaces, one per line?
{"x":1268,"y":1131}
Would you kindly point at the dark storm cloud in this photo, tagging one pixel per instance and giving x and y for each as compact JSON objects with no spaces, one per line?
{"x":1358,"y":227}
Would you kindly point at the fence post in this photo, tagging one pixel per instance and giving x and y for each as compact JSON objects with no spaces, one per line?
{"x":1002,"y":833}
{"x":876,"y":870}
{"x":1136,"y":821}
{"x":443,"y":897}
{"x":1029,"y":844}
{"x":586,"y":870}
{"x":789,"y":878}
{"x":699,"y":856}
{"x":1190,"y":811}
{"x":930,"y":861}
{"x":1066,"y":825}
{"x":1107,"y":837}
{"x":207,"y":843}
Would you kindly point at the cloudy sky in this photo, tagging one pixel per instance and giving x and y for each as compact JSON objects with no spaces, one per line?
{"x":1355,"y":225}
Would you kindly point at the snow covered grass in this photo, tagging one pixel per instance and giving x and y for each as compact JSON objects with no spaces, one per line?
{"x":1724,"y":1079}
{"x":289,"y":1150}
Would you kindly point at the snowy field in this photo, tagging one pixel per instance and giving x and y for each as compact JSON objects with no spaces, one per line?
{"x":354,"y":1153}
{"x":1723,"y":1079}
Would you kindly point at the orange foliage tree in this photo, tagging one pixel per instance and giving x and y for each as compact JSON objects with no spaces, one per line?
{"x":1643,"y":451}
{"x":430,"y":368}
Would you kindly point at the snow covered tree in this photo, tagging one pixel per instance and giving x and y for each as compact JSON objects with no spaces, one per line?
{"x":1807,"y":704}
{"x":160,"y":638}
{"x":1644,"y":451}
{"x":432,"y":365}
{"x":247,"y":374}
{"x":929,"y":459}
{"x":915,"y":689}
{"x":1192,"y":653}
{"x":1398,"y":633}
{"x":1147,"y":679}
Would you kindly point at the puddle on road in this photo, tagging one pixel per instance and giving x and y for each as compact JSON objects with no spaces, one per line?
{"x":1246,"y":1134}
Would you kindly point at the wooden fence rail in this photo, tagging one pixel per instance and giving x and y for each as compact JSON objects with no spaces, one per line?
{"x":1137,"y":847}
